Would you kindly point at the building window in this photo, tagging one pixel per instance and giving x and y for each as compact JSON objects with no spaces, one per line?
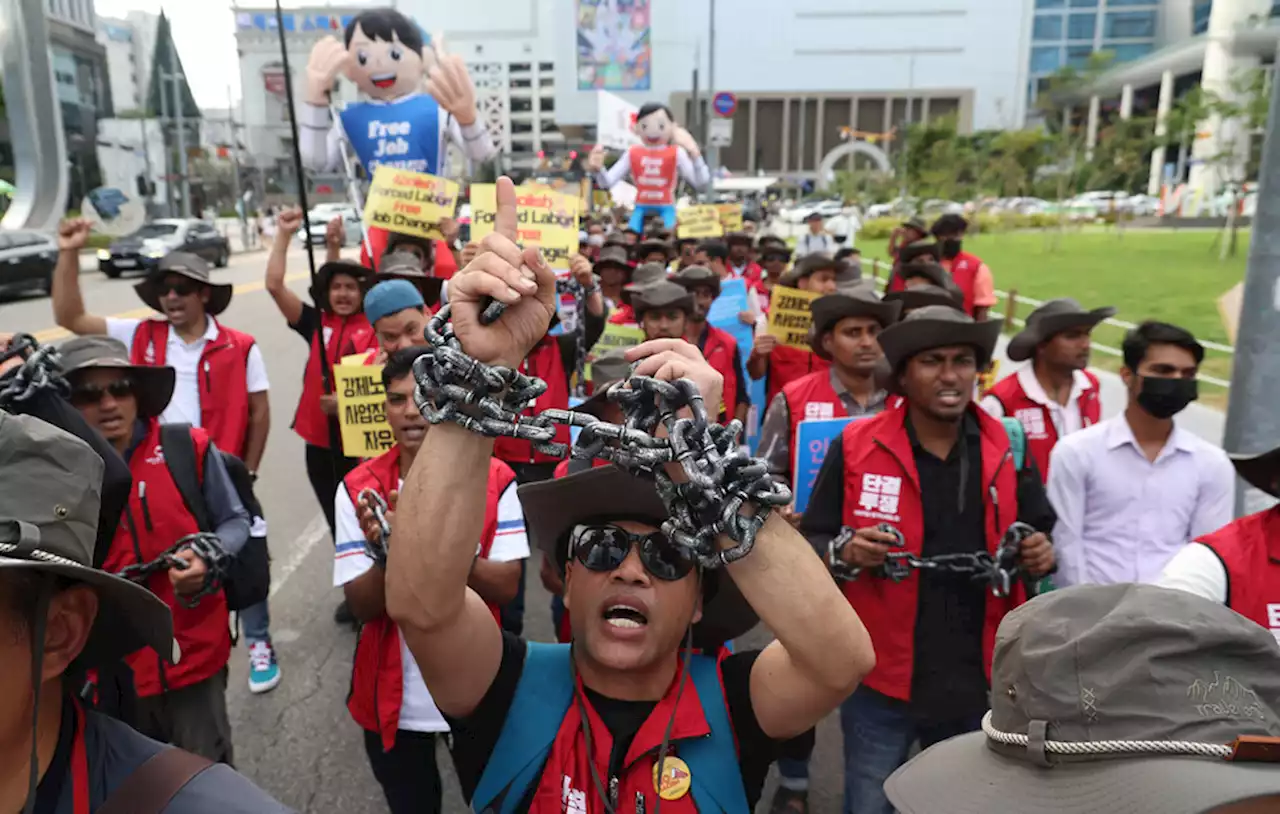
{"x":1051,"y":3}
{"x":1114,"y":3}
{"x":1046,"y":60}
{"x":1078,"y":56}
{"x":1200,"y":16}
{"x":1081,"y":26}
{"x":1084,"y":3}
{"x":1275,"y":8}
{"x":546,"y":66}
{"x":1131,"y":25}
{"x":1128,"y":51}
{"x":1047,"y":28}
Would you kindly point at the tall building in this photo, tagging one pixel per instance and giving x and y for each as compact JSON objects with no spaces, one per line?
{"x":84,"y":93}
{"x":130,"y":47}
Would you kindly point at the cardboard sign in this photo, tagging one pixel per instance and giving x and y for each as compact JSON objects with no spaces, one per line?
{"x":730,"y":217}
{"x":724,"y":315}
{"x":362,"y":410}
{"x":813,"y":437}
{"x":789,"y":317}
{"x":699,"y":221}
{"x":546,"y":219}
{"x":614,"y":337}
{"x":413,"y":203}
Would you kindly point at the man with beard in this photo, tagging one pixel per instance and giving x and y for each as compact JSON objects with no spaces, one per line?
{"x":968,"y":271}
{"x":780,"y":363}
{"x":1132,"y":490}
{"x":614,"y":272}
{"x":718,"y":347}
{"x":686,"y":252}
{"x":1054,"y":395}
{"x":663,"y":310}
{"x":740,"y":262}
{"x":936,"y":468}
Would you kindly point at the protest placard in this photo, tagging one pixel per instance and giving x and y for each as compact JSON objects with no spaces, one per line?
{"x":725,"y":314}
{"x":987,"y":379}
{"x":614,"y":337}
{"x":362,"y":410}
{"x":730,"y":217}
{"x":698,"y":221}
{"x":545,"y":218}
{"x":813,"y":437}
{"x":413,"y":203}
{"x":789,"y":317}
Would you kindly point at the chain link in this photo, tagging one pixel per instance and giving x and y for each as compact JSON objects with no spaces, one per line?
{"x":997,"y":571}
{"x":41,"y":370}
{"x":377,"y":550}
{"x":204,"y":545}
{"x":719,"y":477}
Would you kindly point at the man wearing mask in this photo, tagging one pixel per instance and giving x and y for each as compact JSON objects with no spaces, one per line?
{"x":968,"y":271}
{"x":718,"y":347}
{"x":1132,"y":490}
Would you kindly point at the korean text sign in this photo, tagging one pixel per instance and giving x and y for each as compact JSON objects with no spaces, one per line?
{"x":789,"y":317}
{"x":362,"y":410}
{"x":410,"y":202}
{"x":545,"y":218}
{"x":813,"y":438}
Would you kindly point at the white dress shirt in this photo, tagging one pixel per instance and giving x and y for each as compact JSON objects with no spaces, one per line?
{"x":1066,"y":418}
{"x":1121,"y":517}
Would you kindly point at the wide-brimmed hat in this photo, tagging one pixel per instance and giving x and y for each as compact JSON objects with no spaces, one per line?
{"x":362,"y":276}
{"x":805,"y":267}
{"x":937,"y":326}
{"x":553,"y":507}
{"x":1261,"y":470}
{"x":50,"y":493}
{"x":606,"y":370}
{"x":780,"y":251}
{"x":694,"y":276}
{"x":1110,"y":698}
{"x":1050,"y":319}
{"x":853,"y":301}
{"x":925,"y":295}
{"x":408,"y":266}
{"x":653,"y":244}
{"x":613,"y":256}
{"x":933,"y":272}
{"x":919,"y":248}
{"x":153,"y":386}
{"x":645,"y":275}
{"x":664,"y":294}
{"x":193,"y":268}
{"x":917,"y":223}
{"x":741,"y":238}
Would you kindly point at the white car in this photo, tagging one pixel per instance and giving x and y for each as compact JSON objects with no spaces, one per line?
{"x":320,"y":216}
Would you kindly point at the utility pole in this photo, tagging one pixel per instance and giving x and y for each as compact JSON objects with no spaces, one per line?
{"x":902,"y":144}
{"x":713,"y":152}
{"x":242,"y":208}
{"x":1253,"y":423}
{"x":177,"y":77}
{"x":697,"y":122}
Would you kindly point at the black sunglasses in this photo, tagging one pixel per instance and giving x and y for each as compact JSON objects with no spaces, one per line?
{"x":86,"y":394}
{"x":603,"y":547}
{"x":183,"y":288}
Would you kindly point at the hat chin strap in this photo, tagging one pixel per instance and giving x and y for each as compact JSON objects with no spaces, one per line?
{"x":37,"y":663}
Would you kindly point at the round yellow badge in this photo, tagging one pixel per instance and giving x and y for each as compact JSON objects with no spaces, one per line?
{"x":674,"y":780}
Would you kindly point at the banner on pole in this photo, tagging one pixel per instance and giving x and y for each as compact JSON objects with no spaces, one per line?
{"x":413,"y":203}
{"x":546,"y":219}
{"x":789,"y":317}
{"x":362,"y":410}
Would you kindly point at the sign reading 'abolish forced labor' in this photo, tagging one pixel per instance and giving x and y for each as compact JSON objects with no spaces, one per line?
{"x":410,"y":202}
{"x":544,"y":218}
{"x":789,"y":317}
{"x":730,"y":217}
{"x":699,"y":221}
{"x":362,"y":410}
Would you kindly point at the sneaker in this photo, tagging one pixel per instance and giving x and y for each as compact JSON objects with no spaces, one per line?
{"x":264,"y":673}
{"x":786,"y":801}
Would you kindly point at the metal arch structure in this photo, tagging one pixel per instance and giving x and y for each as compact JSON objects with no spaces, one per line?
{"x":827,"y":169}
{"x":35,"y":118}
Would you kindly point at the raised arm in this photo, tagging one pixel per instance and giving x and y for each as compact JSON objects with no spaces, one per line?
{"x":289,"y":303}
{"x":68,"y":304}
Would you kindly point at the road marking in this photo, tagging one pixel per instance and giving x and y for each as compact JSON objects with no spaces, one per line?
{"x":55,"y":334}
{"x":316,"y":531}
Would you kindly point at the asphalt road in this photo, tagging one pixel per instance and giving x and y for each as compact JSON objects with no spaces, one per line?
{"x":298,"y":742}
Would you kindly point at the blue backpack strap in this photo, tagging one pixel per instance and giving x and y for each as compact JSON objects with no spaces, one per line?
{"x":713,"y":761}
{"x":1017,"y":441}
{"x":537,"y":710}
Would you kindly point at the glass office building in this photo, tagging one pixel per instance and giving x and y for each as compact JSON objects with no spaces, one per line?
{"x":1067,"y":32}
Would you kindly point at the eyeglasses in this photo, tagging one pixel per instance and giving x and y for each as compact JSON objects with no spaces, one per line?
{"x":603,"y":548}
{"x":181,"y":287}
{"x":87,"y":394}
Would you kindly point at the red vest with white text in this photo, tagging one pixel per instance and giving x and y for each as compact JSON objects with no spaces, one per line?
{"x":376,"y":675}
{"x":718,"y":351}
{"x":224,"y":390}
{"x":544,"y":362}
{"x":788,"y":364}
{"x":881,"y":485}
{"x":351,"y":333}
{"x":811,"y":397}
{"x":653,"y":171}
{"x":1036,"y":420}
{"x":1250,"y":551}
{"x":964,"y":270}
{"x":153,"y":521}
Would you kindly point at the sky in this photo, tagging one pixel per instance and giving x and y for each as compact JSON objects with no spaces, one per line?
{"x":204,"y":31}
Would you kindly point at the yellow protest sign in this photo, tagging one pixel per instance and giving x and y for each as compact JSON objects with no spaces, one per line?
{"x":615,"y":337}
{"x":789,"y":317}
{"x":546,"y":219}
{"x":988,"y":378}
{"x":362,"y":410}
{"x":699,"y":221}
{"x":730,"y":217}
{"x":410,"y":202}
{"x":601,"y":199}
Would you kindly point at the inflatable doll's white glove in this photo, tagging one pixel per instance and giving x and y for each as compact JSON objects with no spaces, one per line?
{"x":329,"y":59}
{"x":450,"y":84}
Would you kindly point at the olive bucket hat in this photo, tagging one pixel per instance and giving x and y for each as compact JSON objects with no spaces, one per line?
{"x":193,"y":268}
{"x":153,"y":386}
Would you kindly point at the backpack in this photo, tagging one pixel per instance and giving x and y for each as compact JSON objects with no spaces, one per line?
{"x":1018,"y":446}
{"x":538,"y":708}
{"x":248,"y":578}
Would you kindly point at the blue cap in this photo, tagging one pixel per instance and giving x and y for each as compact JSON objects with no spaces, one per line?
{"x":391,"y":297}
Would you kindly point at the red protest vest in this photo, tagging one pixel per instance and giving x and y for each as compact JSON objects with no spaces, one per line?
{"x":809,"y":397}
{"x":717,"y":349}
{"x":566,"y":781}
{"x":376,"y":673}
{"x":224,"y":391}
{"x":964,"y":271}
{"x":309,"y":421}
{"x":153,"y":521}
{"x":445,"y":265}
{"x":788,"y":364}
{"x":1250,"y":551}
{"x":1035,"y":419}
{"x":653,"y":171}
{"x":881,"y":485}
{"x":544,"y":362}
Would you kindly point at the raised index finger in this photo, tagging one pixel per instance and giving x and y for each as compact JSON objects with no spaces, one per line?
{"x":504,"y":222}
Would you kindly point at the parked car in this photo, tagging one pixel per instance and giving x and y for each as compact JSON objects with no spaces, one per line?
{"x":142,"y":250}
{"x":26,"y":261}
{"x":319,"y":218}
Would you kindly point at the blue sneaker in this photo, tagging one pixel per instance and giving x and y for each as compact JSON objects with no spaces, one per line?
{"x":264,"y":673}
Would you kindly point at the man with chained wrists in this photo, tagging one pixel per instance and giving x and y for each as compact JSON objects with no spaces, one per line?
{"x":926,"y":494}
{"x":626,"y":718}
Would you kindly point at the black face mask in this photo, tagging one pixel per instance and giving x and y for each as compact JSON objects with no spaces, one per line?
{"x":950,"y":248}
{"x":1165,"y":398}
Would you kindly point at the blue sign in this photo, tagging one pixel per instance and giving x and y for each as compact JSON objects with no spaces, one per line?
{"x":725,"y":103}
{"x":724,"y":315}
{"x":812,"y":439}
{"x":403,"y":134}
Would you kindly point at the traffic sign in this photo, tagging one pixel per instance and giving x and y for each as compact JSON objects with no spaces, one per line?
{"x":724,"y":103}
{"x":720,"y":132}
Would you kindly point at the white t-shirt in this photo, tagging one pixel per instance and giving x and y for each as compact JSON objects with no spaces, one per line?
{"x":418,"y":712}
{"x":184,"y":358}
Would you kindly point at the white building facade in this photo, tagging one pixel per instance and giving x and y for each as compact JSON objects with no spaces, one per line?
{"x":130,"y":44}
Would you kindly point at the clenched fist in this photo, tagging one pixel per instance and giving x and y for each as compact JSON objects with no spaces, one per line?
{"x":73,"y":234}
{"x":329,"y":59}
